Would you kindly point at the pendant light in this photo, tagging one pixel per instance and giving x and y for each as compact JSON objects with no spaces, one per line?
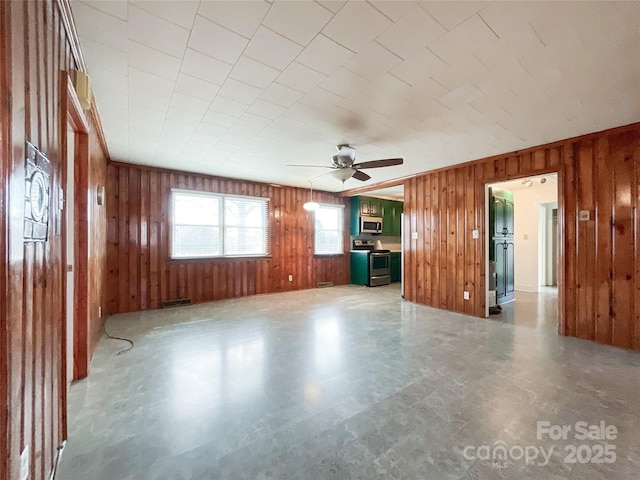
{"x":311,"y":206}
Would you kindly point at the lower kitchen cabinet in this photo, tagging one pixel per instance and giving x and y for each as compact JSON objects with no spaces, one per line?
{"x":359,"y":267}
{"x":394,"y":263}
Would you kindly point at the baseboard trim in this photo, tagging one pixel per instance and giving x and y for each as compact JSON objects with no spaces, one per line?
{"x":527,"y":288}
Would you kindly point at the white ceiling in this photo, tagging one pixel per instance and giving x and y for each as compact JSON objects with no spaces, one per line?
{"x":242,"y":88}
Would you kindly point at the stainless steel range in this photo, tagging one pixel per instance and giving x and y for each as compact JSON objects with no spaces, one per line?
{"x":379,"y":262}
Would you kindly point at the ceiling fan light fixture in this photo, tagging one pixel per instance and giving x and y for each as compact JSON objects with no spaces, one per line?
{"x":344,"y":174}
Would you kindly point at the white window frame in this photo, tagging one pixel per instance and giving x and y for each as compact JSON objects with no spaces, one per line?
{"x":340,"y":231}
{"x":222,"y":226}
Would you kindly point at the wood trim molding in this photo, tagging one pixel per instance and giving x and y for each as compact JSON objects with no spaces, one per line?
{"x":72,"y":34}
{"x":75,"y":114}
{"x":76,"y":52}
{"x":376,"y":186}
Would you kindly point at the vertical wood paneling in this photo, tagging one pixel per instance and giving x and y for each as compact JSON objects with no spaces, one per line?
{"x":141,"y":275}
{"x":34,"y":49}
{"x":599,"y":288}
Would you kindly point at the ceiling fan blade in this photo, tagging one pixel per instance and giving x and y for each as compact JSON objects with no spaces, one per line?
{"x":388,"y":162}
{"x":314,"y":166}
{"x":358,"y":175}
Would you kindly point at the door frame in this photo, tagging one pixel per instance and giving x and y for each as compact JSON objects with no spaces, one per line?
{"x":561,"y":238}
{"x":71,"y":114}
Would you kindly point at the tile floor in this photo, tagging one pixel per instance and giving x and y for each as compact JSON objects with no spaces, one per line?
{"x":350,"y":383}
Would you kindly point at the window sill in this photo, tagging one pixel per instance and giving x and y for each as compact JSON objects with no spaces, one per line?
{"x":215,"y":259}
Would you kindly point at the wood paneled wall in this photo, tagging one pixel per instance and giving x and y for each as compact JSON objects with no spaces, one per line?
{"x":35,"y":47}
{"x":141,"y":276}
{"x":600,"y":282}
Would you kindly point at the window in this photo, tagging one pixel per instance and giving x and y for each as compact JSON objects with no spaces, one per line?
{"x":214,"y":225}
{"x":329,"y":225}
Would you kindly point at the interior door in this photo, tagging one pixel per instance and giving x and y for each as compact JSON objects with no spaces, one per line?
{"x":499,"y":212}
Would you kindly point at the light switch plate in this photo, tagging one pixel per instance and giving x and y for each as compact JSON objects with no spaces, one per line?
{"x":585,"y":215}
{"x":475,"y":233}
{"x":414,"y":235}
{"x":466,"y":295}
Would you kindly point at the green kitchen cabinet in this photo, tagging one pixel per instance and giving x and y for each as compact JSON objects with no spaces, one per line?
{"x":391,"y":220}
{"x":359,"y":267}
{"x":395,"y":264}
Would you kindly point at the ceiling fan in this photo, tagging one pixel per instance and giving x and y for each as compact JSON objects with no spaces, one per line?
{"x":343,"y":166}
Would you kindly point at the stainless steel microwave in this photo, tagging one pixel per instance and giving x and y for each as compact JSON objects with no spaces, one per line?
{"x":370,"y":225}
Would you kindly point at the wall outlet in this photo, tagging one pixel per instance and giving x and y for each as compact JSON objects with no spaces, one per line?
{"x":475,"y":233}
{"x":466,"y":295}
{"x":24,"y":463}
{"x":291,"y":278}
{"x":414,"y":235}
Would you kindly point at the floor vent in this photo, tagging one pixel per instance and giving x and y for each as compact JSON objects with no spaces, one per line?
{"x":325,"y":284}
{"x":176,"y":303}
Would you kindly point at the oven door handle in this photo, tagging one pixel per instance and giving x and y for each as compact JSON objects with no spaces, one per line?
{"x":376,"y":254}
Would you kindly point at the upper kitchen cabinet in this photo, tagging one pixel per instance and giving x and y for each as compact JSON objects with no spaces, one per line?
{"x":390,"y":211}
{"x":391,"y":218}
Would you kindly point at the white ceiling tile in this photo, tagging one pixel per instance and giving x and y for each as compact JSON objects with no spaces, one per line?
{"x":281,"y":95}
{"x":195,"y":87}
{"x":253,"y":121}
{"x":145,"y":99}
{"x":254,"y":73}
{"x":416,"y":30}
{"x":151,"y":83}
{"x":100,"y":27}
{"x":324,"y":55}
{"x":333,"y":5}
{"x":152,"y":61}
{"x":266,"y":109}
{"x":204,"y":67}
{"x":243,"y":131}
{"x":212,"y":130}
{"x":301,"y":112}
{"x":372,"y":61}
{"x":146,"y":114}
{"x":104,"y":57}
{"x":116,"y":9}
{"x":179,"y":13}
{"x":394,"y":9}
{"x":206,"y":37}
{"x":173,"y":129}
{"x":152,"y":125}
{"x":319,"y":98}
{"x":387,"y":87}
{"x":228,"y":106}
{"x":466,"y":38}
{"x":189,"y":103}
{"x":110,"y":81}
{"x":300,"y":78}
{"x":451,"y":14}
{"x":421,"y":65}
{"x":460,"y":96}
{"x":240,"y":92}
{"x":240,"y":17}
{"x":219,"y":119}
{"x":343,"y":82}
{"x":156,"y":33}
{"x":272,"y":49}
{"x":297,"y":21}
{"x":356,"y":25}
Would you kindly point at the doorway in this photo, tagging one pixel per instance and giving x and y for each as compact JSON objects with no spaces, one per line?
{"x":70,"y":239}
{"x":522,"y":251}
